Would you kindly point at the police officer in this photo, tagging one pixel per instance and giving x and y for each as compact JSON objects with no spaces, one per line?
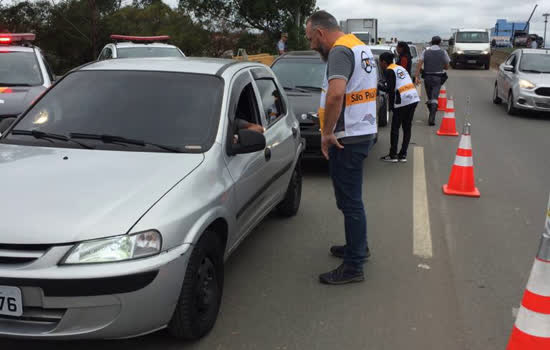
{"x":403,"y":99}
{"x":436,"y":62}
{"x":348,"y":121}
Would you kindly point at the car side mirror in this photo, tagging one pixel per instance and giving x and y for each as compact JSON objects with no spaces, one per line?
{"x":508,"y":68}
{"x":249,"y":142}
{"x":5,"y":124}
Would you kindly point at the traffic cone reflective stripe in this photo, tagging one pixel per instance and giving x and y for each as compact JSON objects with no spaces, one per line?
{"x":448,"y":123}
{"x":442,"y":99}
{"x":532,"y":328}
{"x":462,"y":178}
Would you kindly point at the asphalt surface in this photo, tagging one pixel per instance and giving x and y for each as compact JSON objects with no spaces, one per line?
{"x":447,"y":277}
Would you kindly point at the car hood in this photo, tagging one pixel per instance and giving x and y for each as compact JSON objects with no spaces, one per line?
{"x":536,"y":78}
{"x":304,"y":103}
{"x":14,"y":100}
{"x":60,"y":195}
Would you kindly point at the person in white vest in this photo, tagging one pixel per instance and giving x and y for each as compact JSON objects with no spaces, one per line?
{"x":347,"y":116}
{"x":403,"y":99}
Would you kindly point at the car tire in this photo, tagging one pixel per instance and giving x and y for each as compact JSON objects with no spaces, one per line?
{"x":291,"y":203}
{"x":203,"y":281}
{"x":487,"y":66}
{"x":496,"y":100}
{"x":384,"y":114}
{"x":453,"y":65}
{"x":510,"y":109}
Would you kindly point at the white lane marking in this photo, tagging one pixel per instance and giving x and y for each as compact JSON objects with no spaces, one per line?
{"x":422,"y":236}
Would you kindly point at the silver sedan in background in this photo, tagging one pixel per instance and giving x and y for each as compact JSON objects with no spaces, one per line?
{"x":523,"y":81}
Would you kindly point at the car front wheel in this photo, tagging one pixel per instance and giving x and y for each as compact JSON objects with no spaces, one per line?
{"x":291,"y":203}
{"x":197,"y":308}
{"x":510,"y":105}
{"x":496,"y":100}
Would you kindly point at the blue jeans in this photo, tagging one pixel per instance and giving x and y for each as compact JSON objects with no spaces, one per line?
{"x":346,"y":171}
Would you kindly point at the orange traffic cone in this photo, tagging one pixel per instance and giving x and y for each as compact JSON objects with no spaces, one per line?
{"x":532,"y":328}
{"x":462,"y":180}
{"x":448,"y":123}
{"x":442,"y":99}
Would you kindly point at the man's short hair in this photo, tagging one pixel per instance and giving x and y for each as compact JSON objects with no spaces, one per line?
{"x":436,"y":40}
{"x":323,"y":19}
{"x":387,"y":57}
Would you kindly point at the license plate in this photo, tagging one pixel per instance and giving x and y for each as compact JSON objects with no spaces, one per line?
{"x":472,"y":61}
{"x":11,"y":301}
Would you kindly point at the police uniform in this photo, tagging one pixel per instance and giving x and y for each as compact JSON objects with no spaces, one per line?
{"x":435,"y":59}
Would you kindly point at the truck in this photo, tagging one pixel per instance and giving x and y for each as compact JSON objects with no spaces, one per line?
{"x":470,"y":47}
{"x":366,"y":29}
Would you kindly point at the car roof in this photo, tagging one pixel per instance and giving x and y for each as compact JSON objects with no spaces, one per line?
{"x":539,"y":51}
{"x":308,"y":54}
{"x":382,"y":47}
{"x":15,"y":48}
{"x":472,"y":30}
{"x":211,"y":66}
{"x":131,"y":44}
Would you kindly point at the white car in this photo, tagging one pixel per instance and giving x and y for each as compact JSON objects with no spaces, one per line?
{"x":125,"y":46}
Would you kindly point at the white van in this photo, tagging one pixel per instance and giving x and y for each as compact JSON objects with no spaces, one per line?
{"x":470,"y":47}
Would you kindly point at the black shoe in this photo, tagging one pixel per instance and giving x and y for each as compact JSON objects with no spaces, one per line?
{"x":342,"y":275}
{"x":433,"y":113}
{"x":340,"y":250}
{"x":389,"y":159}
{"x":402,"y":159}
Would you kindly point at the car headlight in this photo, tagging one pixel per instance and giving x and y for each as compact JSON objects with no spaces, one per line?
{"x":459,"y":52}
{"x":485,"y":52}
{"x":114,"y":249}
{"x":526,"y":84}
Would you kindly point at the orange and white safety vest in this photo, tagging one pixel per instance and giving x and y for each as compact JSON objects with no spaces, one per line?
{"x":405,"y":86}
{"x":360,"y":101}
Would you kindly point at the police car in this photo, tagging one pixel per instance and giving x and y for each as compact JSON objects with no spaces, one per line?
{"x":125,"y":46}
{"x":24,"y":73}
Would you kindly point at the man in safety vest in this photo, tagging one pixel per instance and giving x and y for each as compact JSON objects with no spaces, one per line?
{"x":347,"y":115}
{"x":403,"y":101}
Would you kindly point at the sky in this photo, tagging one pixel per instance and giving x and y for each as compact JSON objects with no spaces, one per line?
{"x":419,"y":20}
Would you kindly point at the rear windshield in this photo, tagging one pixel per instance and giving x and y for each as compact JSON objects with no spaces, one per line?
{"x":19,"y":68}
{"x":137,"y":52}
{"x":174,"y":109}
{"x":300,"y":72}
{"x":535,"y":63}
{"x":472,"y":37}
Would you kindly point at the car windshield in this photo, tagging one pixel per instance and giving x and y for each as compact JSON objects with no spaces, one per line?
{"x":300,"y":72}
{"x":173,"y":109}
{"x":19,"y":68}
{"x":139,"y":51}
{"x":472,"y":37}
{"x":364,"y":37}
{"x":535,"y":63}
{"x":378,"y":52}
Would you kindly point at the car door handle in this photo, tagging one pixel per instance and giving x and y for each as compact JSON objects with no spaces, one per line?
{"x":267,"y":154}
{"x":294,"y":131}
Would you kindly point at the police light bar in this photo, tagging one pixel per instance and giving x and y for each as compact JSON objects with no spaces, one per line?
{"x":140,"y":38}
{"x":8,"y":38}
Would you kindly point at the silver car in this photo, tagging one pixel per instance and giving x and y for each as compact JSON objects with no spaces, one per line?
{"x":523,"y":81}
{"x":130,"y":183}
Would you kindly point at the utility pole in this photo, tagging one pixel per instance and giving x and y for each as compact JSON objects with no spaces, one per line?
{"x":94,"y":30}
{"x":545,"y":22}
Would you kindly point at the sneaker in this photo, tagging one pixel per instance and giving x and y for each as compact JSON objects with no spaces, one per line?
{"x":402,"y":159}
{"x":340,"y":250}
{"x":389,"y":159}
{"x":342,"y":275}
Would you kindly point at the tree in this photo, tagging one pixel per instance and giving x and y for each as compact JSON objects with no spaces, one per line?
{"x":270,"y":16}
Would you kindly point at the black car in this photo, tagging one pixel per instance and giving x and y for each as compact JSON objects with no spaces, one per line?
{"x":301,"y":73}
